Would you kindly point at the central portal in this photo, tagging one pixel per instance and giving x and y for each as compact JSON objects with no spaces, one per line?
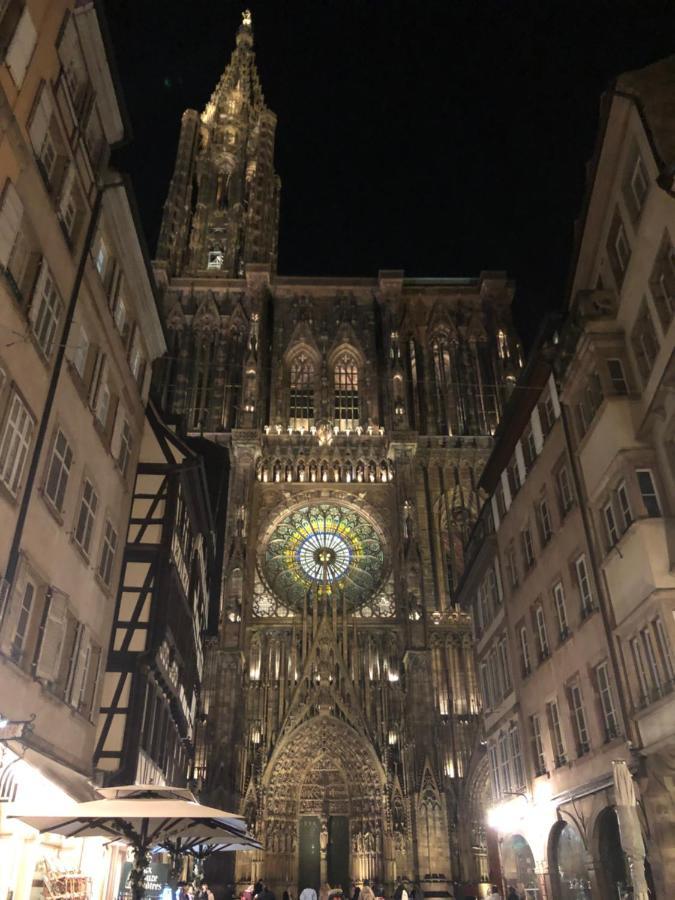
{"x":338,"y":853}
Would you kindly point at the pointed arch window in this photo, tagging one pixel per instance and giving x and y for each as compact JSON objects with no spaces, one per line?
{"x":346,"y":391}
{"x":301,"y":395}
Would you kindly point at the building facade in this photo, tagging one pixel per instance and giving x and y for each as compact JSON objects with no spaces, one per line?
{"x":150,"y":703}
{"x":356,"y":414}
{"x":570,"y":569}
{"x":79,"y":330}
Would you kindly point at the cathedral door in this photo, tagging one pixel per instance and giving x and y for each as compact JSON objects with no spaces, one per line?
{"x":338,"y":852}
{"x":309,"y":857}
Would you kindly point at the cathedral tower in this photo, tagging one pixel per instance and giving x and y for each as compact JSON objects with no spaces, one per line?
{"x":222,"y":210}
{"x":354,"y":416}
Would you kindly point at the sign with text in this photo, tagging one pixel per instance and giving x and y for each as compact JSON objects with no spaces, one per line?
{"x":155,"y":879}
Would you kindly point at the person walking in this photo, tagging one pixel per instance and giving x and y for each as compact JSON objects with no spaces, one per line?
{"x":512,"y":894}
{"x":308,"y":893}
{"x":366,"y":891}
{"x":494,"y":894}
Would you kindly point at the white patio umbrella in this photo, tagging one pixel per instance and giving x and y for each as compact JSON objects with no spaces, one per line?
{"x":147,"y":817}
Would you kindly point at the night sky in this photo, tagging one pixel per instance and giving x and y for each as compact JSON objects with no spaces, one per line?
{"x":438,"y":136}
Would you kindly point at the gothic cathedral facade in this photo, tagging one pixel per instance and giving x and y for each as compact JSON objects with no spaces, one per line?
{"x":355,"y":415}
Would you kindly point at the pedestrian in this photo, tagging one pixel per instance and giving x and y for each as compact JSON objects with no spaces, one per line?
{"x":182,"y":892}
{"x":266,"y":893}
{"x":205,"y":892}
{"x":247,"y":893}
{"x":512,"y":894}
{"x":323,"y":891}
{"x":308,"y":893}
{"x":494,"y":893}
{"x":287,"y":893}
{"x":356,"y":890}
{"x":366,"y":891}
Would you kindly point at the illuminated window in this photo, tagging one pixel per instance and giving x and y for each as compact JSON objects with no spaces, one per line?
{"x":556,"y":733}
{"x":86,"y":516}
{"x":301,"y":403}
{"x":346,"y":392}
{"x":537,"y":746}
{"x":607,"y":701}
{"x":579,"y":720}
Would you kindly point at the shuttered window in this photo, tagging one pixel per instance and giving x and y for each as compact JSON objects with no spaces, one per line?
{"x":38,"y":129}
{"x":24,"y":611}
{"x":53,"y":637}
{"x":86,"y":516}
{"x":45,"y":311}
{"x":11,"y":214}
{"x":21,"y":47}
{"x":16,"y":438}
{"x":108,"y":550}
{"x":59,"y":470}
{"x":126,"y":441}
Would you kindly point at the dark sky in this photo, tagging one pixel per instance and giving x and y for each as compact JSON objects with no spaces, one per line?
{"x":438,"y":136}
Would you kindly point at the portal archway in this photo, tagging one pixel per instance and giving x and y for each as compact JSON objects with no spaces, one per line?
{"x":322,"y":791}
{"x":518,"y":863}
{"x":568,"y":863}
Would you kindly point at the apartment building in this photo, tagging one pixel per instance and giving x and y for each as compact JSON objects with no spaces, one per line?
{"x":78,"y":332}
{"x":618,"y":388}
{"x":570,"y":571}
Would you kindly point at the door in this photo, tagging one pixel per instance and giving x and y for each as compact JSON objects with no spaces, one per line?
{"x":338,"y":852}
{"x":309,"y":858}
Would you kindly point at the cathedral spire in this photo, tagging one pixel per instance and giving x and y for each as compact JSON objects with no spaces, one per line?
{"x":222,"y":209}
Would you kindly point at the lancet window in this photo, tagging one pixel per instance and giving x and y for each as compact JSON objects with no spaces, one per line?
{"x":346,"y":391}
{"x":301,"y":399}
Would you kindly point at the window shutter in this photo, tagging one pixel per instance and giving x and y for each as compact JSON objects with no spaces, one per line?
{"x":91,"y":681}
{"x":11,"y":215}
{"x":53,"y":637}
{"x":40,"y":119}
{"x":67,"y":188}
{"x":68,"y":655}
{"x":21,"y":47}
{"x":38,"y":292}
{"x":80,"y":667}
{"x":116,"y":441}
{"x":11,"y":618}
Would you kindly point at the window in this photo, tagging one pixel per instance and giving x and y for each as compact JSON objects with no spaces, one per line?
{"x":501,"y":502}
{"x":556,"y":733}
{"x":494,"y":772}
{"x":662,"y":282}
{"x":70,"y":203}
{"x":624,"y":506}
{"x":14,"y":251}
{"x":644,"y":341}
{"x":528,"y":550}
{"x":108,"y":549}
{"x":86,"y":516}
{"x":19,"y":639}
{"x":584,"y":585}
{"x":516,"y":757}
{"x":664,"y":650}
{"x":525,"y":653}
{"x":45,"y":311}
{"x":126,"y":443}
{"x":606,"y":701}
{"x":610,"y":525}
{"x":651,"y":660}
{"x":21,"y":45}
{"x":618,"y":248}
{"x":120,"y":315}
{"x":16,"y":438}
{"x":79,"y":349}
{"x":485,"y":686}
{"x":103,"y":395}
{"x":565,"y":489}
{"x":512,"y":566}
{"x":346,"y":392}
{"x":561,"y":612}
{"x":648,"y":491}
{"x":74,"y":69}
{"x":529,"y":449}
{"x":616,"y":376}
{"x":513,"y":474}
{"x":137,"y":358}
{"x":301,"y":400}
{"x":59,"y":470}
{"x":504,"y":768}
{"x":45,"y":140}
{"x":504,"y":666}
{"x":640,"y":671}
{"x":636,"y":185}
{"x":93,"y":137}
{"x":537,"y":746}
{"x":542,"y":636}
{"x":545,"y":519}
{"x":101,"y":256}
{"x":579,"y":720}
